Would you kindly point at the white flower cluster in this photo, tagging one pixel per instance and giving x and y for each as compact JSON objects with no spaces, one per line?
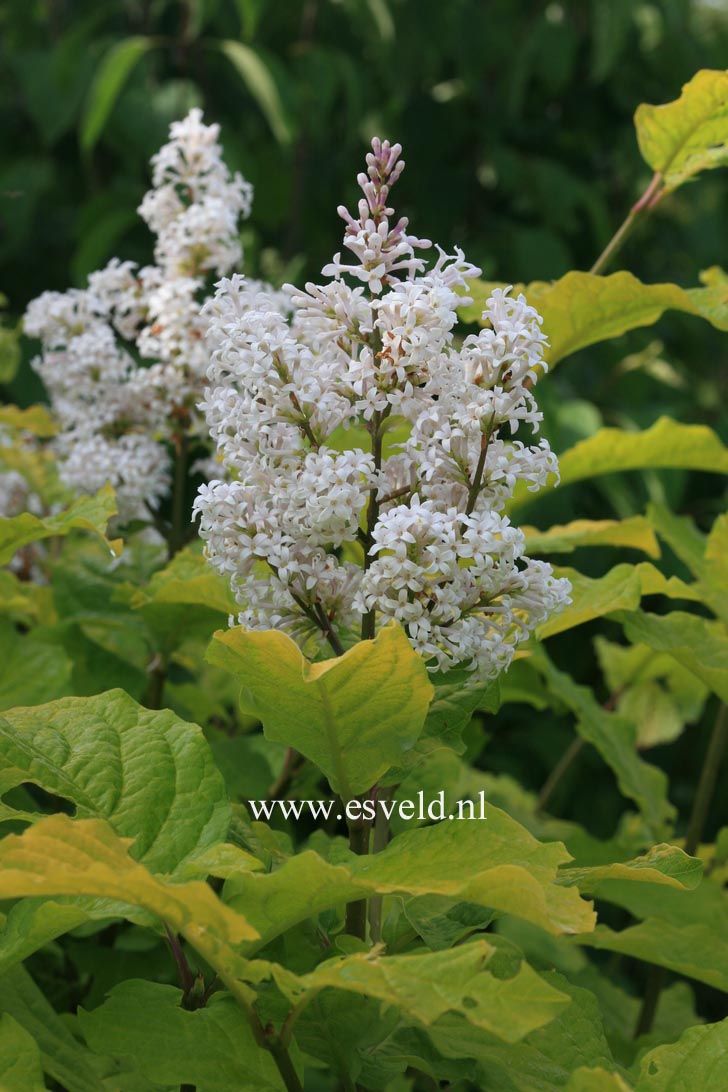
{"x":371,"y":456}
{"x":119,"y":414}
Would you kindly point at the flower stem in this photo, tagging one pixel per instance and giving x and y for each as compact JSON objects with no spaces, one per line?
{"x":708,"y":780}
{"x":368,"y":622}
{"x":179,"y":489}
{"x":564,"y":764}
{"x":657,"y":976}
{"x":646,"y":203}
{"x":356,"y":912}
{"x":285,"y":1066}
{"x":379,"y":842}
{"x":157,"y":677}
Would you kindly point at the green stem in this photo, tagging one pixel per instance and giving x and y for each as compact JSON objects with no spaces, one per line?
{"x":368,"y":623}
{"x":356,"y":912}
{"x":657,"y":976}
{"x":157,"y":678}
{"x":477,"y":483}
{"x":564,"y":764}
{"x":708,"y":780}
{"x":285,"y":1066}
{"x":646,"y":203}
{"x":379,"y":842}
{"x":179,"y":490}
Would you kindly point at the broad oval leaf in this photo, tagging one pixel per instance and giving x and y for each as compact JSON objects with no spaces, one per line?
{"x":355,"y":716}
{"x":150,"y":774}
{"x":211,"y":1048}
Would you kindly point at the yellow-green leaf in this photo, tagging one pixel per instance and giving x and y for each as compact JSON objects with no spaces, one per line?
{"x":426,"y":985}
{"x":682,"y":138}
{"x":697,"y":1061}
{"x":581,"y":309}
{"x":635,"y":533}
{"x":34,"y":419}
{"x":662,"y":864}
{"x":592,"y":598}
{"x":63,"y":856}
{"x":585,"y":1079}
{"x":355,"y":716}
{"x":493,"y":862}
{"x":667,"y":444}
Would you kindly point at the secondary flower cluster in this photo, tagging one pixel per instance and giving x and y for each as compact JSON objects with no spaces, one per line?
{"x":370,"y":456}
{"x":124,"y":359}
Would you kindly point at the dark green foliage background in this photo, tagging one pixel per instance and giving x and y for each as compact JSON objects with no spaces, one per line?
{"x":516,"y":121}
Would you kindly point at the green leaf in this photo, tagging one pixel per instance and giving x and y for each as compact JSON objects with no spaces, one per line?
{"x":211,"y":1048}
{"x":635,"y":533}
{"x":457,"y":696}
{"x":424,"y":986}
{"x":697,"y":643}
{"x":698,"y":1060}
{"x":20,"y":1068}
{"x":544,"y":1060}
{"x":33,"y":670}
{"x":108,"y":82}
{"x":492,"y":862}
{"x":655,"y":692}
{"x":150,"y":774}
{"x":164,"y":603}
{"x":614,"y":737}
{"x":684,"y":931}
{"x":682,"y":138}
{"x":713,"y":580}
{"x":189,"y":580}
{"x":260,"y":81}
{"x":680,"y":534}
{"x":62,"y":1057}
{"x":33,"y":923}
{"x":355,"y":716}
{"x":86,"y":513}
{"x":586,"y":1079}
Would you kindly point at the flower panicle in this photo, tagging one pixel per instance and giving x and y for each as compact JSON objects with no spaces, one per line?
{"x":320,"y":534}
